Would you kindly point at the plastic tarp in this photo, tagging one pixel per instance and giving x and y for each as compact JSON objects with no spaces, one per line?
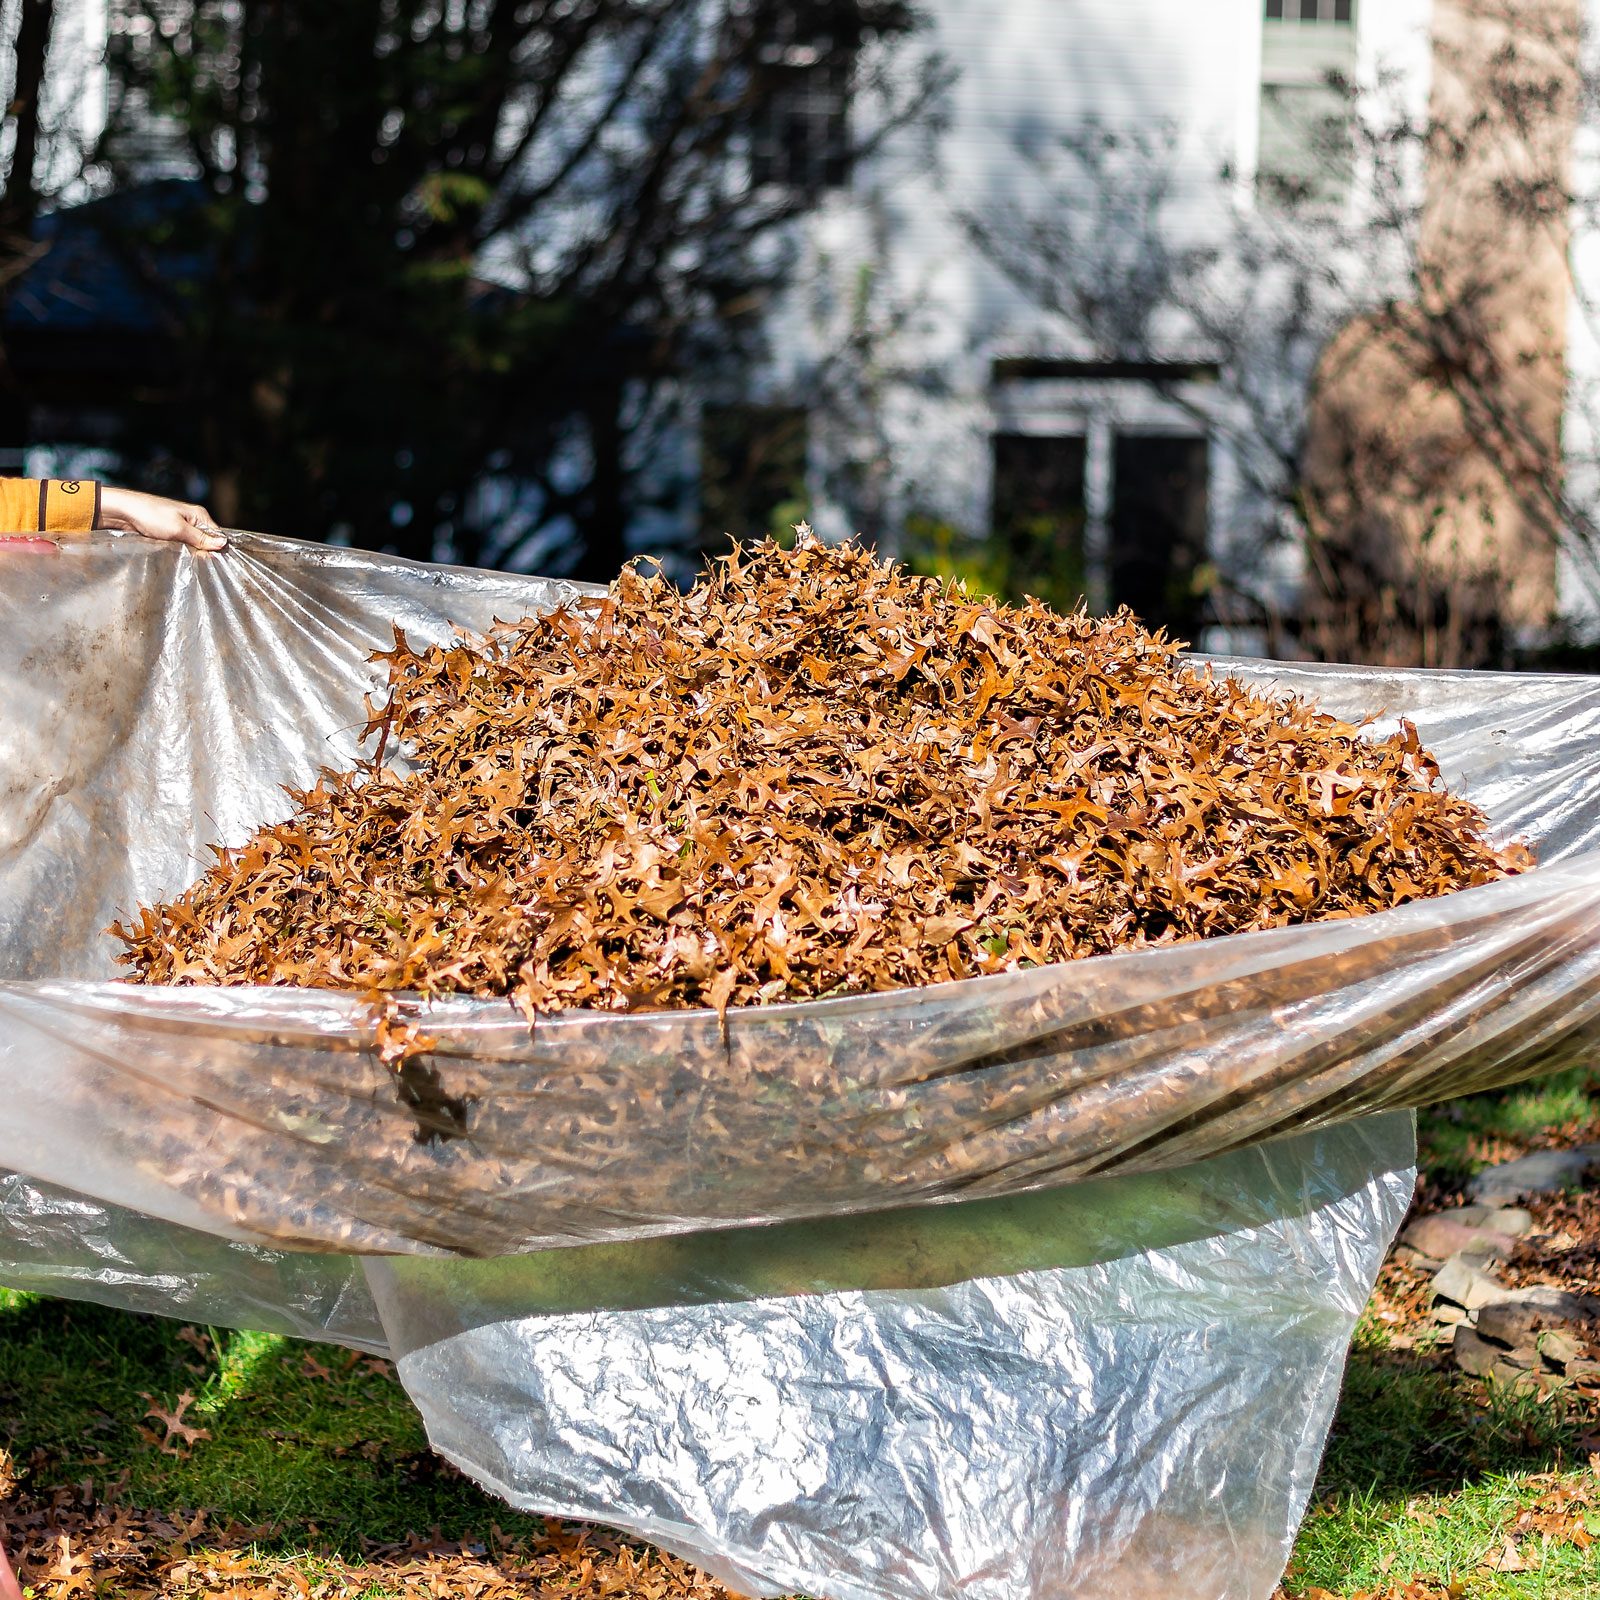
{"x":151,"y":703}
{"x":1043,"y":1390}
{"x":1118,"y":1388}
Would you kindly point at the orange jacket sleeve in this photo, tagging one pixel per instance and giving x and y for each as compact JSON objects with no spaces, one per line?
{"x":48,"y":505}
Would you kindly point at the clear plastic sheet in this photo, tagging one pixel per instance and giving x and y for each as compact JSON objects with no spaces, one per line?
{"x":1119,"y":1386}
{"x":1137,"y":1414}
{"x":55,"y":1242}
{"x":151,"y":702}
{"x":1117,"y":1390}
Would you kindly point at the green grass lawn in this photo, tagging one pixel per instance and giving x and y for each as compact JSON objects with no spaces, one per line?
{"x":1427,"y":1469}
{"x":321,"y":1454}
{"x":1427,"y":1472}
{"x":290,"y":1450}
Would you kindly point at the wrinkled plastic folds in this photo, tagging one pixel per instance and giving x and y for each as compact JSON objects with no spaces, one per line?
{"x":1116,"y":1389}
{"x":1109,"y":1369}
{"x":1137,"y":1415}
{"x":152,"y":703}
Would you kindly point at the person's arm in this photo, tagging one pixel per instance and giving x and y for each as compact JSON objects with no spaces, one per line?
{"x":77,"y":505}
{"x":156,"y":518}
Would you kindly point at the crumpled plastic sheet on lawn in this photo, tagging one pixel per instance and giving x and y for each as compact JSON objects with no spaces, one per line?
{"x":1116,"y":1390}
{"x":1043,"y":1390}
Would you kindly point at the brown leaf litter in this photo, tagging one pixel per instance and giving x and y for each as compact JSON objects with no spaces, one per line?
{"x":1564,"y":1247}
{"x":68,"y":1542}
{"x":811,"y":774}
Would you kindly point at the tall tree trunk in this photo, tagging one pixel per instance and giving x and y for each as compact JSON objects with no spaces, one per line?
{"x":19,"y":206}
{"x":20,"y":201}
{"x":1434,"y":446}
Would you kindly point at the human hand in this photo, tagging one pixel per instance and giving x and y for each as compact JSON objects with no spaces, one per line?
{"x":175,"y":521}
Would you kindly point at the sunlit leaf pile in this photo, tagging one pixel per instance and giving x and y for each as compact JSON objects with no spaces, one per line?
{"x":812,"y":774}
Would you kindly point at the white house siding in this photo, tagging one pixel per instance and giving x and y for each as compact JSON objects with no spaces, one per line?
{"x":1031,"y":71}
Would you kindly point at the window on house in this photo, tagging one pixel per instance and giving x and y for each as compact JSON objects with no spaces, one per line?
{"x":1157,"y":528}
{"x":1037,"y":516}
{"x":752,"y":471}
{"x":1306,"y":148}
{"x":801,"y":136}
{"x":1310,"y":10}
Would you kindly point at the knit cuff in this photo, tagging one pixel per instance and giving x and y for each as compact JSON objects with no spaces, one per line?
{"x":70,"y":505}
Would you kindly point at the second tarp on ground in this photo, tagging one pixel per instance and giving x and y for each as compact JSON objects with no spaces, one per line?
{"x":1117,"y":1390}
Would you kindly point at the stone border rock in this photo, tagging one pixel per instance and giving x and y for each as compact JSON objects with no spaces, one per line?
{"x":1542,"y":1172}
{"x":1523,"y":1337}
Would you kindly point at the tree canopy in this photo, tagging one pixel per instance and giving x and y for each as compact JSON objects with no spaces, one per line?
{"x":475,"y":241}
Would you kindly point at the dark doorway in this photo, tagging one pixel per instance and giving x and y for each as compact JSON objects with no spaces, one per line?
{"x":1158,"y":528}
{"x":1038,"y":517}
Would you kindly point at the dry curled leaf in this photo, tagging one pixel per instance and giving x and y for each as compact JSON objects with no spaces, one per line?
{"x":175,"y":1425}
{"x":812,"y":774}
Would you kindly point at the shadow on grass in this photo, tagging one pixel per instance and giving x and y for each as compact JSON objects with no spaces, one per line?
{"x":308,"y":1443}
{"x":1453,"y":1135}
{"x":1410,"y":1424}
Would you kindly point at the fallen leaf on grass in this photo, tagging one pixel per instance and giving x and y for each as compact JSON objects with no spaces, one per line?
{"x":199,"y":1340}
{"x":1508,"y":1558}
{"x":173,"y":1421}
{"x":66,"y":1563}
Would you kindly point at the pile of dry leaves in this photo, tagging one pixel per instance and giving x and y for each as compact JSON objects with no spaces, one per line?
{"x":812,"y":774}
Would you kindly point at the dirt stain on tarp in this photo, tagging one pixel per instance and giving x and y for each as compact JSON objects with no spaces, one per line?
{"x":440,"y":1116}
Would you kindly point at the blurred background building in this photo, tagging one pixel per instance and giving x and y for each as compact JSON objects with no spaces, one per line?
{"x":1270,"y":319}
